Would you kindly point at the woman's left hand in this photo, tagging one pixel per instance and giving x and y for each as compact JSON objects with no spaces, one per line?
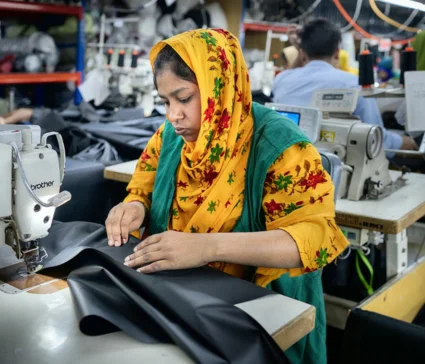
{"x":170,"y":250}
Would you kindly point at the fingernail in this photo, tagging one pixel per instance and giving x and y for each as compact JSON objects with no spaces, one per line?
{"x":140,"y":270}
{"x":126,"y":259}
{"x":124,"y":241}
{"x":117,"y":243}
{"x":110,"y":242}
{"x":126,"y":263}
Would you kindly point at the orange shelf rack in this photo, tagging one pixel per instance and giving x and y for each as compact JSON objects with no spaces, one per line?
{"x":40,"y":8}
{"x":20,"y":8}
{"x":264,"y":27}
{"x":27,"y":78}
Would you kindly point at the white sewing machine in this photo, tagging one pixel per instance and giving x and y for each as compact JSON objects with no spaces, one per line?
{"x":31,"y":175}
{"x":359,"y":145}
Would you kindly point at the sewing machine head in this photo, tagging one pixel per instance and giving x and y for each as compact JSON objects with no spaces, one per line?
{"x":358,"y":145}
{"x":29,"y":190}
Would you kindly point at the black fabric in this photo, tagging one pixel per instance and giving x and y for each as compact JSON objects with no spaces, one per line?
{"x":373,"y":338}
{"x":92,"y":194}
{"x":341,"y":279}
{"x":193,"y":309}
{"x":420,"y":317}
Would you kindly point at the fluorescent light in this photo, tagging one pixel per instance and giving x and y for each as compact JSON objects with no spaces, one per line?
{"x":406,"y":3}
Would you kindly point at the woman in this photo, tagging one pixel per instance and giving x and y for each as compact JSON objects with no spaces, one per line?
{"x":228,"y":183}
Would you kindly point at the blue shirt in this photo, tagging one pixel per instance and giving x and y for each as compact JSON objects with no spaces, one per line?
{"x":296,"y":87}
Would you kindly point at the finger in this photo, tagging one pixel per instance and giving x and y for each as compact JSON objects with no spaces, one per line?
{"x":155,"y":267}
{"x":138,"y":260}
{"x":126,"y":220}
{"x":116,"y":226}
{"x":153,"y":239}
{"x":108,"y":226}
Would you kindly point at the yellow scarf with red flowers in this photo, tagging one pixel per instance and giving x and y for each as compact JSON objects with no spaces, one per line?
{"x":211,"y":174}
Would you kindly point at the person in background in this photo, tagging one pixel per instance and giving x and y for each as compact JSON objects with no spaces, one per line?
{"x":215,"y":187}
{"x":17,"y":116}
{"x":290,"y":56}
{"x":344,"y":63}
{"x":319,"y":41}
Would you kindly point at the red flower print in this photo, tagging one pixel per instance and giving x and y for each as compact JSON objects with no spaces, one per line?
{"x":239,"y":97}
{"x":248,"y":107}
{"x":210,"y":176}
{"x":299,"y":203}
{"x":247,"y":77}
{"x":227,"y":204}
{"x":270,"y":177}
{"x":224,"y":121}
{"x":209,"y":230}
{"x":273,"y":207}
{"x":317,"y":254}
{"x":313,"y":180}
{"x":221,"y":31}
{"x":223,"y":58}
{"x":209,"y":112}
{"x":145,"y":156}
{"x":199,"y":200}
{"x":182,"y":184}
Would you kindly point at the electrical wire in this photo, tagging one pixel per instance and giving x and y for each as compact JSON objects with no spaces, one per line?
{"x":361,"y":30}
{"x":388,"y":20}
{"x":306,"y":13}
{"x":404,"y":25}
{"x":355,"y":16}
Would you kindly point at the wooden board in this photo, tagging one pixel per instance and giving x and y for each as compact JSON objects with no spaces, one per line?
{"x":402,"y":297}
{"x":34,"y":283}
{"x":121,"y":172}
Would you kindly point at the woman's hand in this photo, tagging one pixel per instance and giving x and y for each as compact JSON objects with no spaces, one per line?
{"x":171,"y":250}
{"x":122,"y":220}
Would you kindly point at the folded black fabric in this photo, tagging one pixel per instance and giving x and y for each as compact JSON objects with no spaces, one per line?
{"x":193,"y":309}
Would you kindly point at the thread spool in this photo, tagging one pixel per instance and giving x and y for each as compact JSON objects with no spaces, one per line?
{"x":109,"y":56}
{"x":134,"y":58}
{"x":366,"y":77}
{"x":121,"y":58}
{"x":408,"y":62}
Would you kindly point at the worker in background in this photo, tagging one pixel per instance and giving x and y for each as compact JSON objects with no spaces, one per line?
{"x":343,"y":63}
{"x":196,"y":189}
{"x":319,"y":41}
{"x":289,"y":57}
{"x":17,"y":116}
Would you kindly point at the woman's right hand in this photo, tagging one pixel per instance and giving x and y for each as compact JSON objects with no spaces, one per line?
{"x":122,"y":220}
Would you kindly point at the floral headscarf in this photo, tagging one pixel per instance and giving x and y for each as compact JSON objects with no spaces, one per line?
{"x":211,"y":175}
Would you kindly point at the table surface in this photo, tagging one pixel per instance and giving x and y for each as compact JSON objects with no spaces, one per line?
{"x":390,"y":215}
{"x":39,"y":327}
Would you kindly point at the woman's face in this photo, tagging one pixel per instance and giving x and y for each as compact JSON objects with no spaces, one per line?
{"x":182,"y":104}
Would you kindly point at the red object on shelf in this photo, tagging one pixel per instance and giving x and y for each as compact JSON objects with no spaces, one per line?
{"x":27,"y":7}
{"x":27,"y":78}
{"x":264,"y":27}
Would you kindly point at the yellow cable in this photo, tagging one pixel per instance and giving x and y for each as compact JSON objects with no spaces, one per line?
{"x":388,"y":20}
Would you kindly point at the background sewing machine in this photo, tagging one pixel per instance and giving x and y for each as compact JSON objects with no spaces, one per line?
{"x":31,"y":175}
{"x":331,"y":126}
{"x":119,"y":66}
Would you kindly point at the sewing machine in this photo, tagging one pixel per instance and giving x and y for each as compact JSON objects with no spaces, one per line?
{"x":31,"y":176}
{"x":359,"y":145}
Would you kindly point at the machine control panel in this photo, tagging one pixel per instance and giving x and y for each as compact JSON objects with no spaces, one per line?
{"x":308,"y":119}
{"x":336,"y":100}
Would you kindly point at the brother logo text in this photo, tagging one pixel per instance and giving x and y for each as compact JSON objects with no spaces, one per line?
{"x":42,"y":185}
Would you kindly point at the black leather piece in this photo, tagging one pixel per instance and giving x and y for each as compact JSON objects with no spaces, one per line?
{"x":193,"y":308}
{"x":371,"y":338}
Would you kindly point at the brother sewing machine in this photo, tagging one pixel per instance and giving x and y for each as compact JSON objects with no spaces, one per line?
{"x":359,"y":145}
{"x":31,"y":175}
